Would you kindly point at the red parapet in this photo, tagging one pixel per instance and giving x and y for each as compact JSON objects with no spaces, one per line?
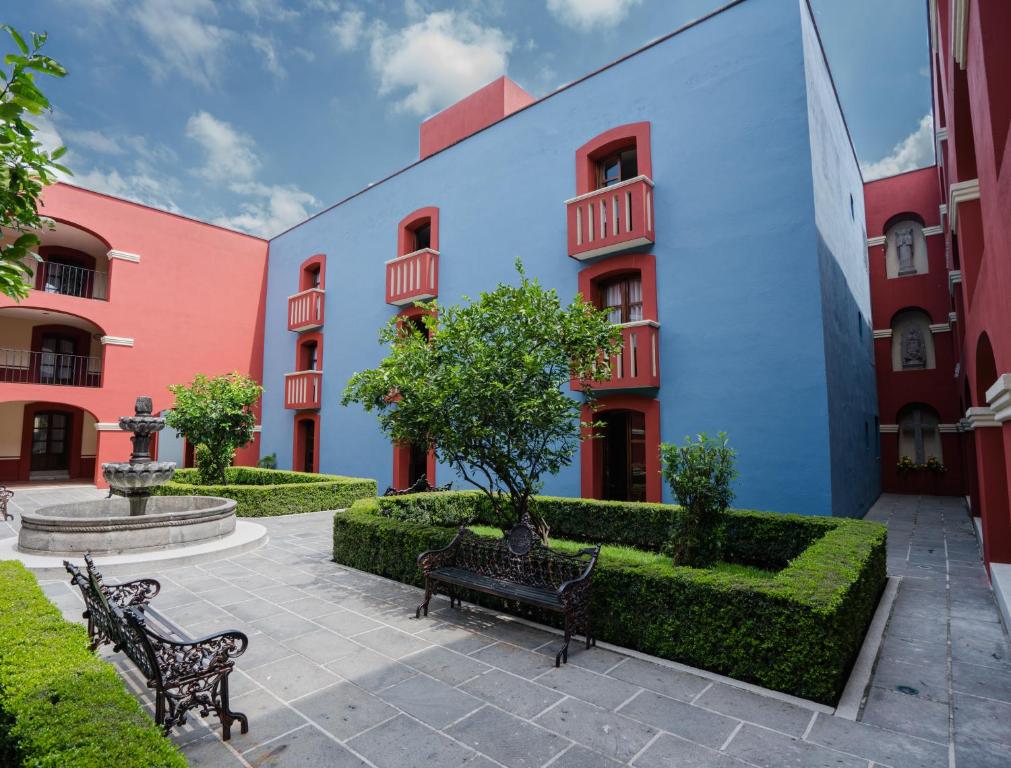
{"x":637,"y":365}
{"x":305,"y":310}
{"x":611,"y":220}
{"x":414,"y":277}
{"x":303,"y":390}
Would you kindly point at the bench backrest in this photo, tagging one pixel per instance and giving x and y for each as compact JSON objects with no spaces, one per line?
{"x":540,"y":567}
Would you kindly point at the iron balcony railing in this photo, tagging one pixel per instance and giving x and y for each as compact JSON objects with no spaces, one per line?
{"x":68,"y":280}
{"x":24,"y":366}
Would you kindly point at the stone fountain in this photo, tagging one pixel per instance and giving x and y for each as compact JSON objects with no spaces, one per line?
{"x":134,"y":521}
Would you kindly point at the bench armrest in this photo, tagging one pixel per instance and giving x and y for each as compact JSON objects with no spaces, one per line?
{"x":133,"y":593}
{"x":437,"y":558}
{"x":584,"y":578}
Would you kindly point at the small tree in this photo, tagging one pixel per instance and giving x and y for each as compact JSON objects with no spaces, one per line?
{"x":215,"y":415}
{"x":24,"y":166}
{"x":483,"y":386}
{"x":700,"y":473}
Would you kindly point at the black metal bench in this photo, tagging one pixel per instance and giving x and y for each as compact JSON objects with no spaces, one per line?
{"x":421,"y":485}
{"x":516,"y":568}
{"x":185,"y":673}
{"x":6,"y":494}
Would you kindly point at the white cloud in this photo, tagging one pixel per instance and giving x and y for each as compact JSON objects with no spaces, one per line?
{"x":271,"y":62}
{"x":585,"y":15}
{"x":96,"y":141}
{"x":270,"y":210}
{"x":155,"y":191}
{"x":914,"y":151}
{"x":231,"y":155}
{"x":348,"y":29}
{"x":47,"y":134}
{"x":437,"y":60}
{"x":184,"y":40}
{"x":271,"y":10}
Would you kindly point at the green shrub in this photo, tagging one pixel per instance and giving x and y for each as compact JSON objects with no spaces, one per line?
{"x":268,"y":462}
{"x":699,"y":473}
{"x":270,"y":492}
{"x":797,"y":630}
{"x":60,"y":706}
{"x":761,"y":539}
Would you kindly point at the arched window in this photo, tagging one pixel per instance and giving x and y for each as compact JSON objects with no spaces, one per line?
{"x":418,"y":231}
{"x":905,"y":247}
{"x":912,"y":341}
{"x":67,"y":271}
{"x":312,"y":273}
{"x":309,"y":352}
{"x":617,"y":155}
{"x":919,"y":433}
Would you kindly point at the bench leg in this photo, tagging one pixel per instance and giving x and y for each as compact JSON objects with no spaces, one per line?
{"x":429,"y":593}
{"x":225,"y":715}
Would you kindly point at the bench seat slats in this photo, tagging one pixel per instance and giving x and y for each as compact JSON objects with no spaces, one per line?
{"x":544,"y":598}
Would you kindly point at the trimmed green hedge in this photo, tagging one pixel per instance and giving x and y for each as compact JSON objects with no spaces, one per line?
{"x":762,"y":539}
{"x":798,"y":630}
{"x":270,"y":492}
{"x":60,"y":706}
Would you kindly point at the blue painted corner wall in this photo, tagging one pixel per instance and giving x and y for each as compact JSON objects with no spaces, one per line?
{"x":754,"y":273}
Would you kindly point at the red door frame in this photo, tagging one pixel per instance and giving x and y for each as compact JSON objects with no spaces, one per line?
{"x":591,"y":452}
{"x":298,"y":444}
{"x":76,"y":436}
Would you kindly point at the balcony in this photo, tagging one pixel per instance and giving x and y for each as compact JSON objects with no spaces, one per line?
{"x":305,"y":310}
{"x":70,"y":280}
{"x":637,"y":365}
{"x":414,"y":277}
{"x":23,"y":366}
{"x":611,"y":220}
{"x":303,"y":390}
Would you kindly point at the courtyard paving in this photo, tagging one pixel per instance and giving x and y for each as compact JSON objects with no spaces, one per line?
{"x":339,"y":673}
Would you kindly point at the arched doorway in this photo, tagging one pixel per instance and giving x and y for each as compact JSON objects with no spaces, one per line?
{"x":44,"y":441}
{"x":991,"y":466}
{"x":621,"y":462}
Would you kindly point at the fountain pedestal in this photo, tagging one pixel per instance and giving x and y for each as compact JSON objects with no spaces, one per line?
{"x":135,"y":521}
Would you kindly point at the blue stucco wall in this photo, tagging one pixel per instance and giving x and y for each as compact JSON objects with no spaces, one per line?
{"x":739,"y":278}
{"x":845,"y":290}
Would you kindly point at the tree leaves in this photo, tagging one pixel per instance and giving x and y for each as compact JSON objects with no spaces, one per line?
{"x":25,"y":167}
{"x":486,"y":386}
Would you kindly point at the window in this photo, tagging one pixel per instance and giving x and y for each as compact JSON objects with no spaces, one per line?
{"x":309,"y":357}
{"x":423,"y":235}
{"x":622,"y":298}
{"x":624,"y":464}
{"x":312,"y":273}
{"x":313,"y":277}
{"x":905,"y":248}
{"x":617,"y":167}
{"x":919,"y":433}
{"x":912,"y":341}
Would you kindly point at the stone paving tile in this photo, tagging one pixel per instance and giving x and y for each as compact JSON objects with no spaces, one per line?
{"x":769,"y":749}
{"x":405,"y":742}
{"x":431,"y":701}
{"x":978,"y":642}
{"x":513,"y":659}
{"x":595,"y":659}
{"x":455,"y":638}
{"x":347,"y":623}
{"x":929,"y":681}
{"x":370,"y":670}
{"x":391,"y":642}
{"x":268,"y":719}
{"x":606,"y":732}
{"x":674,"y":683}
{"x":303,"y":748}
{"x":979,"y":754}
{"x":344,"y":710}
{"x":681,"y":719}
{"x":250,"y":610}
{"x":261,"y":650}
{"x":670,"y":750}
{"x":511,"y":693}
{"x":745,"y":705}
{"x":292,"y":677}
{"x":283,"y":625}
{"x":989,"y":682}
{"x":211,"y":752}
{"x":881,"y":746}
{"x":507,"y":739}
{"x":448,"y":666}
{"x":602,"y":691}
{"x":983,"y":719}
{"x":321,"y":645}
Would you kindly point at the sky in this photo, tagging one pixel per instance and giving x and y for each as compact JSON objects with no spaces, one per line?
{"x":254,"y":114}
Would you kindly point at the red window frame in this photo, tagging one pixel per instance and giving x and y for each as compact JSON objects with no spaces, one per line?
{"x":591,"y":454}
{"x":405,"y":229}
{"x":608,"y":143}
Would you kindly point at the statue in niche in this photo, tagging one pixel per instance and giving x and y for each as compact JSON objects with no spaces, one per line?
{"x":904,"y":249}
{"x":914,"y":349}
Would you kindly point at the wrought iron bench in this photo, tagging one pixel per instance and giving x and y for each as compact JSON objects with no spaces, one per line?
{"x":6,"y":494}
{"x":516,"y":568}
{"x":421,"y":485}
{"x":136,"y":594}
{"x":185,"y":673}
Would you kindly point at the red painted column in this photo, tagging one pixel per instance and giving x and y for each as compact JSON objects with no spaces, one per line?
{"x":992,"y":469}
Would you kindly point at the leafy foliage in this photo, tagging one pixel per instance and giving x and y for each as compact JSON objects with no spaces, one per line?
{"x":700,"y":473}
{"x":485,"y":388}
{"x":60,"y":705}
{"x":25,"y":168}
{"x":271,"y":492}
{"x":216,"y":416}
{"x":268,"y":462}
{"x":797,"y":630}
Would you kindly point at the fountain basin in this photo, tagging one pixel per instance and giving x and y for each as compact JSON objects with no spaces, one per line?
{"x":106,"y":527}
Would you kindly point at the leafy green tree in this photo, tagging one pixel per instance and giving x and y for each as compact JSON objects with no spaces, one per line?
{"x":700,"y":474}
{"x":484,"y":384}
{"x":216,"y":416}
{"x":25,"y":168}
